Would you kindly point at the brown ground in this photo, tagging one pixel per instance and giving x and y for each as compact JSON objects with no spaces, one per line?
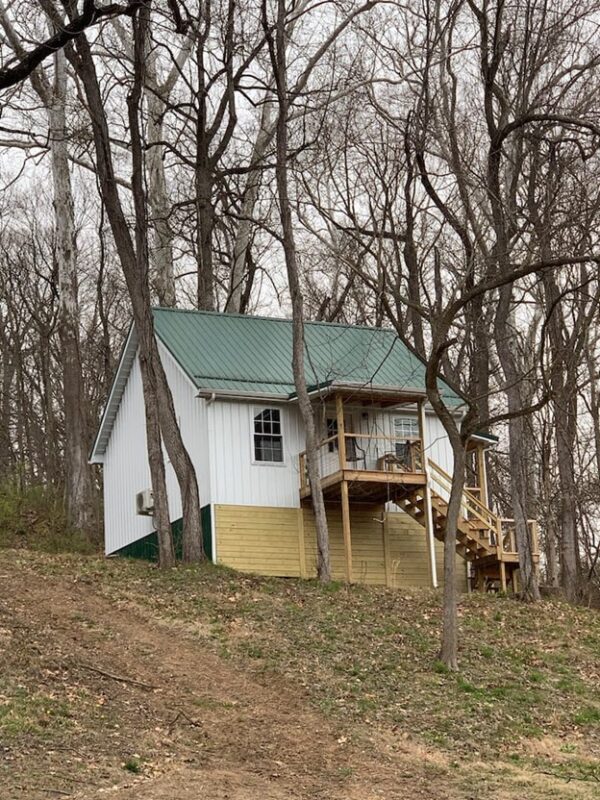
{"x":198,"y":726}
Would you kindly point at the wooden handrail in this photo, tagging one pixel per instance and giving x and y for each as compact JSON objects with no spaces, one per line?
{"x":385,"y":438}
{"x":481,"y":511}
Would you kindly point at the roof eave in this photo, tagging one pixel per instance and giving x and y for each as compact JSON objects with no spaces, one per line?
{"x":114,"y":398}
{"x":486,"y":439}
{"x":233,"y":394}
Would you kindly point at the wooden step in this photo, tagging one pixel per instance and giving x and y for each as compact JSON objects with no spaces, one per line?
{"x":472,"y":536}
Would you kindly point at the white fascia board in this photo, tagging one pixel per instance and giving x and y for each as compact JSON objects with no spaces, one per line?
{"x":114,"y":398}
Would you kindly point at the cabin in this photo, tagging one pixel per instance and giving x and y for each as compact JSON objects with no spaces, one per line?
{"x":385,"y":459}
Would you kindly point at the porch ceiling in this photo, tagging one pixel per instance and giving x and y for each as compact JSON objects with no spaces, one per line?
{"x":371,"y":395}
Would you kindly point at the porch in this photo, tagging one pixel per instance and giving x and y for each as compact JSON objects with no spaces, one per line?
{"x":379,"y":469}
{"x":375,"y":468}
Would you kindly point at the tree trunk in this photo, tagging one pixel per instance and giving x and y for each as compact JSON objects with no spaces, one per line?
{"x":136,"y":278}
{"x":517,"y":444}
{"x":163,"y":279}
{"x":182,"y":464}
{"x":245,"y":225}
{"x":278,"y":57}
{"x":566,"y":431}
{"x":7,"y":370}
{"x":449,"y":649}
{"x":564,"y":396}
{"x":449,"y":644}
{"x":79,"y":488}
{"x":161,"y":516}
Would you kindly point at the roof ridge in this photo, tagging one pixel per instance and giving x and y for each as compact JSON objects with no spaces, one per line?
{"x":238,"y":315}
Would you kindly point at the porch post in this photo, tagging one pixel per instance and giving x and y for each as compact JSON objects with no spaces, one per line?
{"x":482,"y":474}
{"x":503,"y":576}
{"x":339,"y":410}
{"x":347,"y":531}
{"x":346,"y":526}
{"x":428,"y":508}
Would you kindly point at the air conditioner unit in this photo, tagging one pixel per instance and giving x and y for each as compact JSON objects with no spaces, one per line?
{"x":144,"y":503}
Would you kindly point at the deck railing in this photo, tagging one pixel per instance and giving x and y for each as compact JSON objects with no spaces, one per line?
{"x":365,"y":452}
{"x":471,"y":506}
{"x":509,"y":540}
{"x":499,"y":531}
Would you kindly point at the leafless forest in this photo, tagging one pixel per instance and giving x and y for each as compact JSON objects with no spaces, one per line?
{"x":432,"y":166}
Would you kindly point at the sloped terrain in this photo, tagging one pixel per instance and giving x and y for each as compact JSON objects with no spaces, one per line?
{"x":119,"y":681}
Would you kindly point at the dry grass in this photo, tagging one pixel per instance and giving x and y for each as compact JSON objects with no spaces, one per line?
{"x":526,"y":700}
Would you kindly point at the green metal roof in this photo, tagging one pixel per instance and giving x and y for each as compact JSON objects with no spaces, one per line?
{"x":253,"y":355}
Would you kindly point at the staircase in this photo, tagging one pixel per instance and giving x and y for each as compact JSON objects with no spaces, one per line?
{"x":482,"y":538}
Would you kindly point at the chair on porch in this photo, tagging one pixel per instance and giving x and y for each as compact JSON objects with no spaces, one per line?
{"x":398,"y":460}
{"x":355,"y":454}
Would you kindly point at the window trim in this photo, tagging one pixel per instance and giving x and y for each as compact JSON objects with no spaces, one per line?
{"x":254,"y":411}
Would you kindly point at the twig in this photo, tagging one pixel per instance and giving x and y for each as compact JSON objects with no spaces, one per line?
{"x":42,"y":789}
{"x":120,"y":678}
{"x":591,"y":777}
{"x":191,"y":721}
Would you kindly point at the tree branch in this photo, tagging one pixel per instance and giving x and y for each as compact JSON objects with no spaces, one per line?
{"x":11,"y":75}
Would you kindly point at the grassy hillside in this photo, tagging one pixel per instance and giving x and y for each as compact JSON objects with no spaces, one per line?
{"x":525,"y":708}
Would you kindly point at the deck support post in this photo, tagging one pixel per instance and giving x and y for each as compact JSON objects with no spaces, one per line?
{"x":429,"y":530}
{"x":514,"y":581}
{"x":503,"y":576}
{"x":346,"y":525}
{"x":387,"y":556}
{"x":347,"y":530}
{"x":482,"y":474}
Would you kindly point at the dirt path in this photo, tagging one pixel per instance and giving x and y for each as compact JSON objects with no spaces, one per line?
{"x":199,"y":727}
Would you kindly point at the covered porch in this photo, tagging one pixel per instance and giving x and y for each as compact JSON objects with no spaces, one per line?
{"x":364,"y":464}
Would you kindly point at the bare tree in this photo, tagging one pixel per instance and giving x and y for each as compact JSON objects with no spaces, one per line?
{"x":277,"y":49}
{"x":79,"y":490}
{"x":157,"y":394}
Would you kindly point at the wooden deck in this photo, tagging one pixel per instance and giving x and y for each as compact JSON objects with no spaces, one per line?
{"x":367,"y":486}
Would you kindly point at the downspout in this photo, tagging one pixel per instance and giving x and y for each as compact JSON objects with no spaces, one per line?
{"x":428,"y":507}
{"x":213,"y":528}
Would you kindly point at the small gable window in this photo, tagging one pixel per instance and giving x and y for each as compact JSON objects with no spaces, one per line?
{"x":268,"y":439}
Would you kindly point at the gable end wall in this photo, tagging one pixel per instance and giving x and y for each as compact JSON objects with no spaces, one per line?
{"x":126,"y":469}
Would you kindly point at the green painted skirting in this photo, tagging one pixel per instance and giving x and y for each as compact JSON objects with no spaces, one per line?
{"x":147,"y":547}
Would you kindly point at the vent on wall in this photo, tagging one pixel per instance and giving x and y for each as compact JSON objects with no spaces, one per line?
{"x":144,"y":503}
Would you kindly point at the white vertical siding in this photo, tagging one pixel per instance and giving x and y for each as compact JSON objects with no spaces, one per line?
{"x":438,"y":445}
{"x":126,"y":469}
{"x":235,"y":478}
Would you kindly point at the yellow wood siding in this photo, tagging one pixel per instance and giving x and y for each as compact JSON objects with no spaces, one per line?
{"x":258,"y":539}
{"x":367,"y":544}
{"x":408,"y":554}
{"x":267,"y":541}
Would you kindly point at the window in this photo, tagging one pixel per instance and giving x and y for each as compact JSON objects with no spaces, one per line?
{"x":406,"y":428}
{"x":268,"y":440}
{"x":332,"y":430}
